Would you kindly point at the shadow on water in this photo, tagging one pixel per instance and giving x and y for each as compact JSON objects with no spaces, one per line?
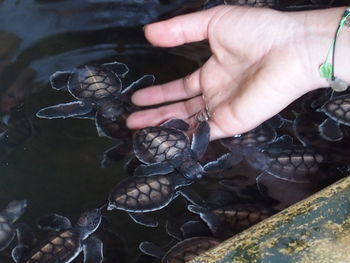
{"x":55,"y":164}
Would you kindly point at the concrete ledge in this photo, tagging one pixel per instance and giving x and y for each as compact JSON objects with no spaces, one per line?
{"x":316,"y":229}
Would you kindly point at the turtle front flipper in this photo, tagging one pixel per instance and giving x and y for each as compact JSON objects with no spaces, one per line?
{"x":176,"y":124}
{"x":18,"y":253}
{"x":54,"y":222}
{"x":142,"y":219}
{"x":66,"y":110}
{"x":151,"y":249}
{"x":118,"y":68}
{"x":200,"y":139}
{"x":330,"y":130}
{"x":153,"y":169}
{"x":216,"y":226}
{"x":144,"y":81}
{"x":191,"y":196}
{"x":195,"y":228}
{"x":60,"y":79}
{"x":93,"y":250}
{"x":224,"y":162}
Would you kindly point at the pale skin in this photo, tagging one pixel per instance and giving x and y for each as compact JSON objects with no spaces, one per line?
{"x":262,"y":60}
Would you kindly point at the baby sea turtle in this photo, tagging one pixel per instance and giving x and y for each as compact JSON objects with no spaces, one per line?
{"x":167,"y":148}
{"x":8,"y":216}
{"x":286,"y":161}
{"x":67,"y":243}
{"x":139,"y":194}
{"x":96,"y":88}
{"x":226,"y":221}
{"x":337,"y":110}
{"x":242,"y":144}
{"x":182,"y":252}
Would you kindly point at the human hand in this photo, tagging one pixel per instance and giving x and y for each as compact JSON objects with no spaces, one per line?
{"x":262,"y":61}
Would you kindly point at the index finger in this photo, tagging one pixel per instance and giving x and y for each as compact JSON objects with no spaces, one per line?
{"x":181,"y":29}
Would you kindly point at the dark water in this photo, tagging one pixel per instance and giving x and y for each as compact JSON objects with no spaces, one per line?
{"x":55,"y":164}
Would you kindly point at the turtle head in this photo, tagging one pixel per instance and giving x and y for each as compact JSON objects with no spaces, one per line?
{"x":88,"y":222}
{"x":110,"y":109}
{"x":192,"y":170}
{"x":15,"y":209}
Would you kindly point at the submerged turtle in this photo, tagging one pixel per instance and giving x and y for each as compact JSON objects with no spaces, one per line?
{"x":226,"y":221}
{"x":286,"y":161}
{"x":139,"y":194}
{"x":97,"y":89}
{"x":66,"y":244}
{"x":182,"y":252}
{"x":337,"y":110}
{"x":241,"y":145}
{"x":167,"y":148}
{"x":8,"y":216}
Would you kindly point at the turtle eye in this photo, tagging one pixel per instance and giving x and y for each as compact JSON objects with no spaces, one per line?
{"x":83,"y":220}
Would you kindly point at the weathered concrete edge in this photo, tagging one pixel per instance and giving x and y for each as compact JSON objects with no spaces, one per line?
{"x":223,"y":253}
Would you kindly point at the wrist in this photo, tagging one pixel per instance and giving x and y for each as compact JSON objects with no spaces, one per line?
{"x":320,"y":28}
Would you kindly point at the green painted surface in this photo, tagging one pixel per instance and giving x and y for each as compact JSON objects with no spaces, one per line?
{"x":314,"y":230}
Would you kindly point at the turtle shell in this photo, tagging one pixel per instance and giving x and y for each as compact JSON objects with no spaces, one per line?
{"x":159,"y":144}
{"x":261,"y":135}
{"x":93,"y":83}
{"x":295,"y":164}
{"x":60,"y":248}
{"x":145,"y":193}
{"x":338,"y":109}
{"x":7,"y":232}
{"x":188,"y":249}
{"x":241,"y":217}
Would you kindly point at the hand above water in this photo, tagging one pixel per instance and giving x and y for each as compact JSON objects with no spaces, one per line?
{"x":261,"y":61}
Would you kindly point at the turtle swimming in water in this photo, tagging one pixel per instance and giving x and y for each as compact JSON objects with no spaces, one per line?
{"x":66,"y":244}
{"x":167,"y":148}
{"x":183,"y":251}
{"x":140,"y":194}
{"x":241,"y":145}
{"x":8,"y":216}
{"x":285,"y":161}
{"x":226,"y":221}
{"x":97,"y":89}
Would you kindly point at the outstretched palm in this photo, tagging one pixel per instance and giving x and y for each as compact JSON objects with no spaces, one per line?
{"x":260,"y":64}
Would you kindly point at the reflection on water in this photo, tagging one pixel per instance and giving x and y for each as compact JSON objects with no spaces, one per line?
{"x":55,"y":164}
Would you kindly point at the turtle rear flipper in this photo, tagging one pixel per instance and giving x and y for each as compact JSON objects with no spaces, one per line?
{"x":142,"y":219}
{"x":330,"y":130}
{"x":66,"y":110}
{"x":151,"y":249}
{"x":54,"y":222}
{"x":153,"y":169}
{"x":200,"y":140}
{"x":118,"y":68}
{"x":144,"y":81}
{"x":176,"y":124}
{"x":224,"y":162}
{"x":59,"y":80}
{"x":93,"y":250}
